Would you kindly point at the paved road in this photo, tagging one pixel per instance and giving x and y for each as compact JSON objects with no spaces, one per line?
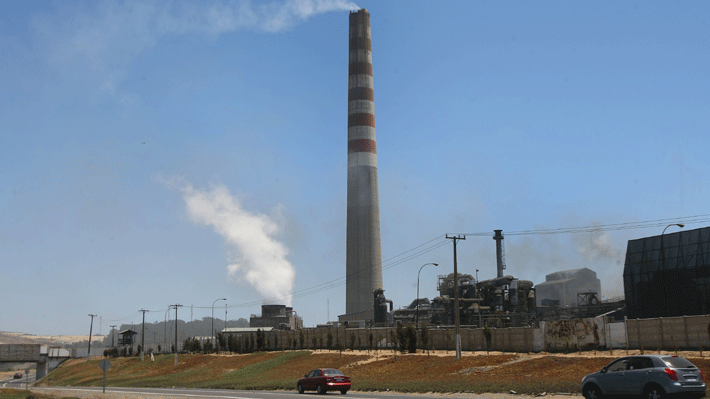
{"x":17,"y":383}
{"x":181,"y":393}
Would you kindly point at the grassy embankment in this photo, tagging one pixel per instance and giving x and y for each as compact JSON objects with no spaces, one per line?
{"x":527,"y":374}
{"x":22,"y":394}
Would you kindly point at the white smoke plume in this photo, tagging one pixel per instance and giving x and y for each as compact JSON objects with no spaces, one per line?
{"x":597,"y":246}
{"x":258,"y":257}
{"x":108,"y":35}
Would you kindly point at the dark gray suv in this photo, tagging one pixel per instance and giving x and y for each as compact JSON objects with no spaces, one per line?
{"x":654,"y":376}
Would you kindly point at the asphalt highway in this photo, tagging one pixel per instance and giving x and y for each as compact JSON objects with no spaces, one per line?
{"x":17,"y":383}
{"x":181,"y":393}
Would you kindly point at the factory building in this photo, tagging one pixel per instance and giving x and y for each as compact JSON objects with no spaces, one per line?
{"x":566,"y":288}
{"x":363,"y":251}
{"x":668,"y":275}
{"x":279,"y":317}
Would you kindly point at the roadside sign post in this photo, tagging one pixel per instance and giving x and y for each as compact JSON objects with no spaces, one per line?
{"x":104,"y":365}
{"x":27,"y":378}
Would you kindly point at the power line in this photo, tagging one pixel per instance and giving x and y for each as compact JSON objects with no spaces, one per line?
{"x":441,"y":241}
{"x":605,"y":227}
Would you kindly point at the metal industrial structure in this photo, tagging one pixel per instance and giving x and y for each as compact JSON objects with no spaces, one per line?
{"x":563,"y":287}
{"x":668,"y":275}
{"x":499,"y":302}
{"x":279,"y":317}
{"x":363,"y":249}
{"x":504,"y":301}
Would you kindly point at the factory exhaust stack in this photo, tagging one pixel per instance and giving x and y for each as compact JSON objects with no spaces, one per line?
{"x":363,"y":251}
{"x":500,"y":252}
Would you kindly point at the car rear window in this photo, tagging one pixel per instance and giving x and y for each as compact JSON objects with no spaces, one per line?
{"x":332,"y":372}
{"x":677,"y":362}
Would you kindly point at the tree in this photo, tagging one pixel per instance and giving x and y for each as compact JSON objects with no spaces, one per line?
{"x":338,"y":345}
{"x":276,"y":342}
{"x":191,"y":345}
{"x":424,"y":335}
{"x":207,"y":346}
{"x":259,"y":339}
{"x":393,"y":339}
{"x":221,"y":341}
{"x":301,"y":338}
{"x":159,"y":348}
{"x":232,"y":343}
{"x":140,"y":348}
{"x":411,"y":337}
{"x":352,"y":341}
{"x":370,"y":338}
{"x":401,"y":337}
{"x":488,"y":336}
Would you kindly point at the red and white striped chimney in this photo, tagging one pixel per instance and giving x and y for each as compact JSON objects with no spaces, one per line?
{"x":363,"y":252}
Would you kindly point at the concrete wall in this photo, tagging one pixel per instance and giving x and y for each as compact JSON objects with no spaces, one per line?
{"x":574,"y":334}
{"x":19,"y":353}
{"x":689,"y":332}
{"x":669,"y":333}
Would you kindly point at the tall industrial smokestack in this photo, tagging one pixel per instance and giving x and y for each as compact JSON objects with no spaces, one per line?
{"x":500,"y":252}
{"x":364,"y":257}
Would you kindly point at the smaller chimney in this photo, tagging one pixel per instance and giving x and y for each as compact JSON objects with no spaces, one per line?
{"x":500,"y":252}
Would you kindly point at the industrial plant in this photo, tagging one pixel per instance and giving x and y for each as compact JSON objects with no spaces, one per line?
{"x":661,"y":270}
{"x":503,"y":301}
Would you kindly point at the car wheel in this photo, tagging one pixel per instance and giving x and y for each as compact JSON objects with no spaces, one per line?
{"x":343,"y":391}
{"x":654,"y":392}
{"x":320,"y":390}
{"x":300,"y":388}
{"x":592,"y":392}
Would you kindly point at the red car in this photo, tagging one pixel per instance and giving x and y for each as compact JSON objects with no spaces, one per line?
{"x":324,"y":380}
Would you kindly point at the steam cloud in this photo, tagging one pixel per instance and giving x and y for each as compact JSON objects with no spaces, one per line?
{"x":112,"y":33}
{"x":597,"y":246}
{"x":258,"y":257}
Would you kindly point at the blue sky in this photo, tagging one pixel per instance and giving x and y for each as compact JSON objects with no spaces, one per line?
{"x":154,"y":153}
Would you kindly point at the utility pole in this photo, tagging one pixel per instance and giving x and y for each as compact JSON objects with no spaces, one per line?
{"x":165,"y":332}
{"x":113,"y":335}
{"x":225,"y":316}
{"x":176,"y":341}
{"x":457,"y":311}
{"x":88,"y":355}
{"x":143,"y":334}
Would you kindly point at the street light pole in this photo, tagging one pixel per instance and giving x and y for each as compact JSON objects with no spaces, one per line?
{"x":416,"y":321}
{"x":663,"y":264}
{"x":215,"y":301}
